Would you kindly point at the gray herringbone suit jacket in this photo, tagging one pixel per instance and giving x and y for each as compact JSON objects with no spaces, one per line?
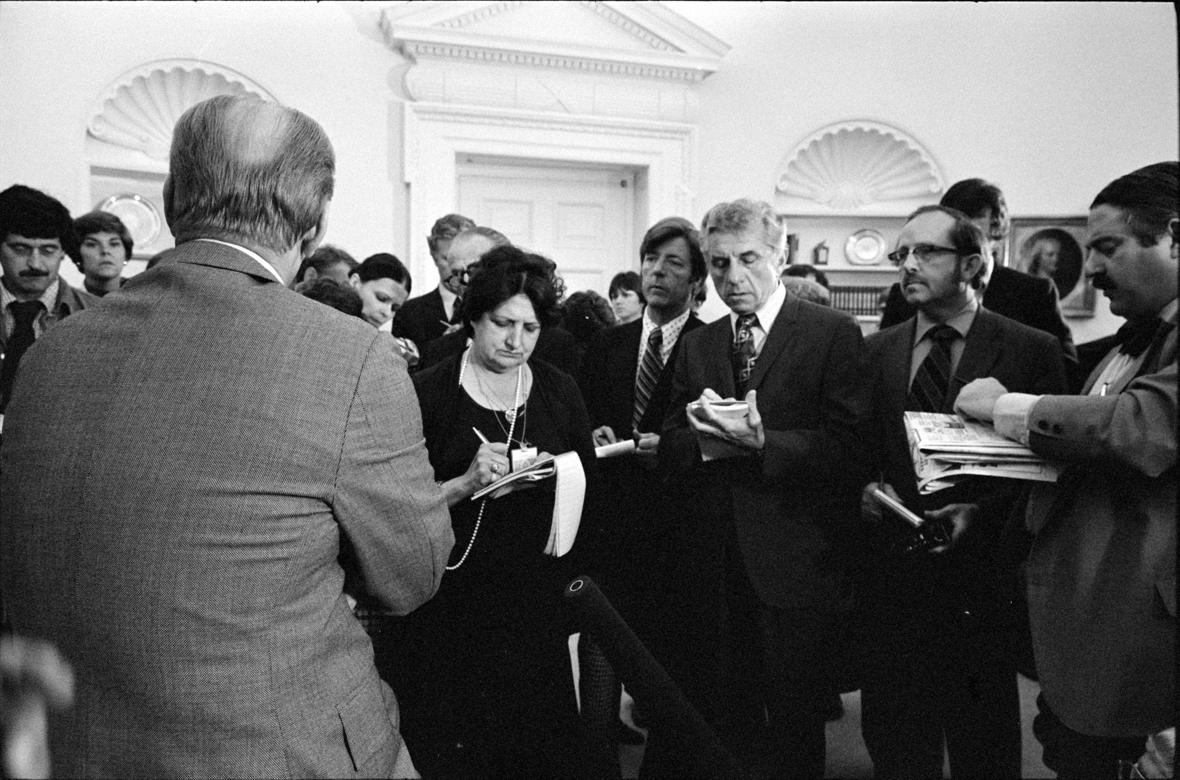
{"x":187,"y":470}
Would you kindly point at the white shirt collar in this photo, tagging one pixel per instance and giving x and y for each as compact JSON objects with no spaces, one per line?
{"x":270,"y":268}
{"x":670,"y":331}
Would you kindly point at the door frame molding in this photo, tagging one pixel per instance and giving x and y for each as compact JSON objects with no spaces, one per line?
{"x":436,"y":135}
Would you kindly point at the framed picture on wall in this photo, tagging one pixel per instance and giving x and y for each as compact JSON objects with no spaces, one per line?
{"x":1052,"y":247}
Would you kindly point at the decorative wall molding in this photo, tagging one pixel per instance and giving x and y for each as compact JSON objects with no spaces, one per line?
{"x":139,"y":109}
{"x":858,"y":163}
{"x":437,"y":134}
{"x":652,"y":43}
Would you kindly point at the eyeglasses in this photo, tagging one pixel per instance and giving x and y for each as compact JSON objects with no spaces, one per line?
{"x":924,"y":252}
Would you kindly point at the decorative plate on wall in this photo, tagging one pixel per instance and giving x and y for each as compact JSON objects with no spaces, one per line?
{"x":140,"y":216}
{"x":865,"y":247}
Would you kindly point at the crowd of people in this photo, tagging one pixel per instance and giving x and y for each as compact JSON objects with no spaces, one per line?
{"x":239,"y":534}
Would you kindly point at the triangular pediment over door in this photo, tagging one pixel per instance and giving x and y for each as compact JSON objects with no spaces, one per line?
{"x":600,"y":83}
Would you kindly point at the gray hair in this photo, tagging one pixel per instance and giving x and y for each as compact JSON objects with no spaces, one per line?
{"x":743,"y":214}
{"x":241,"y":168}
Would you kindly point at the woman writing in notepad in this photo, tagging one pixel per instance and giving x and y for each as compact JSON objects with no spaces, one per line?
{"x":488,"y":688}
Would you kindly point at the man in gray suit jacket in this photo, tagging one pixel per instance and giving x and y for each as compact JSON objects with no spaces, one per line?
{"x":1102,"y":570}
{"x":220,"y":452}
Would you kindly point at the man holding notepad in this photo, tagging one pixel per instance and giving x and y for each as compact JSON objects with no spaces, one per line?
{"x":938,"y":666}
{"x":761,"y":435}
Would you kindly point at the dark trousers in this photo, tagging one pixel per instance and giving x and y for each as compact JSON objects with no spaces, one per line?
{"x":755,"y":672}
{"x":1076,"y":756}
{"x":936,"y":676}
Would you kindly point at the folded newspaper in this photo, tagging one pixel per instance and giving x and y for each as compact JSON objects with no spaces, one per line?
{"x":946,"y":448}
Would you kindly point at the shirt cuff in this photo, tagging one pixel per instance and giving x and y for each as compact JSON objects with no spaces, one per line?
{"x":1010,"y":415}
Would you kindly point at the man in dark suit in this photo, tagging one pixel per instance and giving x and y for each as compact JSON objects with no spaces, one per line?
{"x":767,"y":497}
{"x":625,"y":380}
{"x":1102,"y":571}
{"x":938,"y":663}
{"x":221,"y":451}
{"x":1027,"y":299}
{"x":425,"y":318}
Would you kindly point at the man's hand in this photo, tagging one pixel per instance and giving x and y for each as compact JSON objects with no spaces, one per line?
{"x":978,"y":398}
{"x":647,"y":446}
{"x":34,"y":677}
{"x":1160,"y":758}
{"x":603,"y":435}
{"x":961,"y":517}
{"x":745,"y":432}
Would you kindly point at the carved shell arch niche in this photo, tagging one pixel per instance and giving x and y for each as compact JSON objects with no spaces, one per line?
{"x":129,"y":134}
{"x":858,"y":165}
{"x":138,"y":110}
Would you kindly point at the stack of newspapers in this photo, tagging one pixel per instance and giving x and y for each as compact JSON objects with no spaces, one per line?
{"x":946,"y":449}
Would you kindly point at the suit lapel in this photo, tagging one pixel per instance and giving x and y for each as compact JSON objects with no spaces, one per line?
{"x":895,"y":370}
{"x":983,"y":348}
{"x":718,"y":346}
{"x":778,"y":337}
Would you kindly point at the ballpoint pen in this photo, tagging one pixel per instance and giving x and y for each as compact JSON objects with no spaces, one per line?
{"x":482,"y":438}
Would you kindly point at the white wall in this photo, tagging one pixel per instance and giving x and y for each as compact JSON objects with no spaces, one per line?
{"x":1051,"y":101}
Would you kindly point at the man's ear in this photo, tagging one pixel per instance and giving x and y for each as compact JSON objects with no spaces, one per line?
{"x":1174,"y":230}
{"x":972,"y":264}
{"x":314,"y":235}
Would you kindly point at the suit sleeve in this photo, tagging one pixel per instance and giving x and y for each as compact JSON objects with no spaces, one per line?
{"x":592,"y":378}
{"x":1135,"y":428}
{"x":833,"y":447}
{"x":386,"y":500}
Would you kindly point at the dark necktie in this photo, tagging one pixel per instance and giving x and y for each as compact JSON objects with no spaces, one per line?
{"x":24,"y":314}
{"x":1135,"y":336}
{"x":744,"y":354}
{"x":929,"y":388}
{"x":647,"y":375}
{"x":457,"y":311}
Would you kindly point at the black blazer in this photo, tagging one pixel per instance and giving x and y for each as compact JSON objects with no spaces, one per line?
{"x":607,"y":378}
{"x":793,"y":505}
{"x":422,"y":319}
{"x":1024,"y":360}
{"x":1030,"y":300}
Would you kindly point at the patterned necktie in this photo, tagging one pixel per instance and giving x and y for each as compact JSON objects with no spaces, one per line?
{"x":647,"y":375}
{"x":929,"y":388}
{"x":24,"y":314}
{"x":744,"y":354}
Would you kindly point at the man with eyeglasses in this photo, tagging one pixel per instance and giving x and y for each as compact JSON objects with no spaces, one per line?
{"x":426,"y":317}
{"x":1027,"y":299}
{"x":939,"y":666}
{"x":766,"y":498}
{"x":37,"y":233}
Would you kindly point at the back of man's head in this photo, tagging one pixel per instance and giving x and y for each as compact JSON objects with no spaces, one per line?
{"x":31,"y":213}
{"x":975,"y":198}
{"x":1148,"y":196}
{"x":325,"y":258}
{"x":247,"y":170}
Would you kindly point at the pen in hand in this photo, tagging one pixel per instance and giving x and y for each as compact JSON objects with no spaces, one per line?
{"x":482,"y":438}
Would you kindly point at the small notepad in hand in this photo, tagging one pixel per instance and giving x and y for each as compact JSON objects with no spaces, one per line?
{"x":540,"y":469}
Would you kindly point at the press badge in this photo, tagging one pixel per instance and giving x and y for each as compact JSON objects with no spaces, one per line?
{"x":523,"y":457}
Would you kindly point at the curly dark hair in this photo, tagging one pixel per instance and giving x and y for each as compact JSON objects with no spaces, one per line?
{"x":586,"y":313}
{"x":505,"y":271}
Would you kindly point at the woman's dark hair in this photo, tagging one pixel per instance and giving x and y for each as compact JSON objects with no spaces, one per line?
{"x":103,"y":222}
{"x":503,"y":272}
{"x":627,"y":280}
{"x":586,"y":313}
{"x":383,"y":266}
{"x":331,"y":293}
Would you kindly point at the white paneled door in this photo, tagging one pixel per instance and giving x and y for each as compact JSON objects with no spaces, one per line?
{"x":583,"y":218}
